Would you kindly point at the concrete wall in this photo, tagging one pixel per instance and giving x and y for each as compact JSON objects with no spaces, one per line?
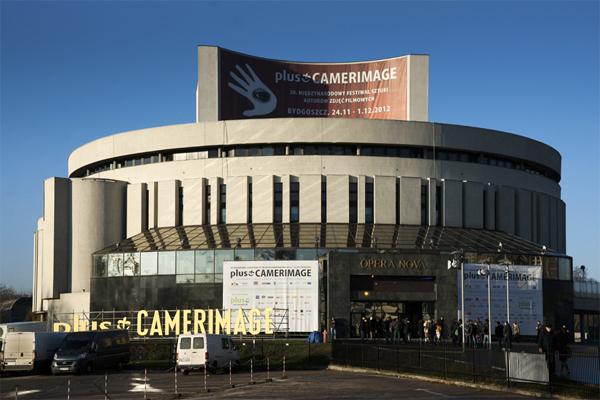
{"x":168,"y":203}
{"x":473,"y":211}
{"x":98,"y":220}
{"x":452,"y":214}
{"x":410,"y":200}
{"x":137,"y":208}
{"x":207,"y":88}
{"x":237,"y":199}
{"x":56,"y":243}
{"x":385,"y":199}
{"x":418,"y":88}
{"x":323,"y":130}
{"x":310,"y":198}
{"x":338,"y":195}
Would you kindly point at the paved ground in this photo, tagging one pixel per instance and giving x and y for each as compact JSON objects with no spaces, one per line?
{"x":322,"y":384}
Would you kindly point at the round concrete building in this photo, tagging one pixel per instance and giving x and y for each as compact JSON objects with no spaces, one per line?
{"x":380,"y":197}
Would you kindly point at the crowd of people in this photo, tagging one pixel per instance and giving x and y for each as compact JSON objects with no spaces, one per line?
{"x":396,"y":330}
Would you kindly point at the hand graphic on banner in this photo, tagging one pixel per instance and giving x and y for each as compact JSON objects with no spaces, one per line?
{"x":252,"y":88}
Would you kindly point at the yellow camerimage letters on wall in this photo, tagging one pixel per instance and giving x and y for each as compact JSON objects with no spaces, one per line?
{"x":173,"y":323}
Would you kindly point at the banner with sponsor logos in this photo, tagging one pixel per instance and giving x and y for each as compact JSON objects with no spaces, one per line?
{"x":281,"y":285}
{"x":252,"y":87}
{"x":525,"y":295}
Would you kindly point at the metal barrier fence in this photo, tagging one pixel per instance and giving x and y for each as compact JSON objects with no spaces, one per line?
{"x":577,"y":374}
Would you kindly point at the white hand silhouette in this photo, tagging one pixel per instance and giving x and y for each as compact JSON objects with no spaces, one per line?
{"x":252,"y":88}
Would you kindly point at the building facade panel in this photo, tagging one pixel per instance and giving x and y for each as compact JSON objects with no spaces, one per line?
{"x":410,"y":200}
{"x":385,"y":199}
{"x":453,"y":203}
{"x":193,"y":200}
{"x":98,"y":219}
{"x":167,"y":203}
{"x":137,"y":208}
{"x":505,"y":209}
{"x":473,"y":207}
{"x":310,"y":198}
{"x":338,"y":198}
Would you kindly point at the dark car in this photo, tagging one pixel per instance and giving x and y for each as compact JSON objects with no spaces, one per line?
{"x":84,"y":352}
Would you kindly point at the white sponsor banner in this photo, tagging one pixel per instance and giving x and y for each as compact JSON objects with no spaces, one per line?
{"x":525,"y":295}
{"x":291,"y":285}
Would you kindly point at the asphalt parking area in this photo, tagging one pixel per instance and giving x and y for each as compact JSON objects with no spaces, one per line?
{"x":323,"y":384}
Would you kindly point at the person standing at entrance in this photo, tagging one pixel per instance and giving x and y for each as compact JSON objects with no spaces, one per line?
{"x":372,"y":328}
{"x":506,"y":336}
{"x":387,"y":329}
{"x":498,"y":332}
{"x":547,"y":345}
{"x":564,"y":351}
{"x":332,"y":332}
{"x":406,"y":330}
{"x":364,"y":328}
{"x":395,"y":328}
{"x":516,"y":331}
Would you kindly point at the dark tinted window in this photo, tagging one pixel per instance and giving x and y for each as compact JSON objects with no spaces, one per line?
{"x":185,"y":343}
{"x":198,"y":343}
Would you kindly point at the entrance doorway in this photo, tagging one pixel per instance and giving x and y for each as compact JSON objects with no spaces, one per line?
{"x":414,"y":311}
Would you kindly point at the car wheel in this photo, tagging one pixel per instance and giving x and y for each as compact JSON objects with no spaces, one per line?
{"x":89,"y":368}
{"x":185,"y":371}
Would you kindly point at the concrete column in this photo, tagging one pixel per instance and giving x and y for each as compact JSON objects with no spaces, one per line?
{"x":207,"y":89}
{"x":523,"y":210}
{"x":553,"y":223}
{"x":38,"y":267}
{"x":384,"y":199}
{"x":361,"y":199}
{"x":544,"y":219}
{"x":562,"y":243}
{"x":56,"y":246}
{"x":310,"y":198}
{"x":410,"y":201}
{"x":452,"y":214}
{"x":152,"y":205}
{"x":418,"y":88}
{"x":168,"y":203}
{"x":137,"y":211}
{"x":262,"y":202}
{"x":214,"y":199}
{"x":505,"y":209}
{"x":338,"y":196}
{"x":98,"y":221}
{"x":237,"y":199}
{"x":193,"y":199}
{"x":473,"y":205}
{"x":490,"y":207}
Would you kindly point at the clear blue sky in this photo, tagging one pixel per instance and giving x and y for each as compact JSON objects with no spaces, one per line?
{"x":76,"y":71}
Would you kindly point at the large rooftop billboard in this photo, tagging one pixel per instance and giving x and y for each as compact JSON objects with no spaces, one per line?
{"x":232,"y":85}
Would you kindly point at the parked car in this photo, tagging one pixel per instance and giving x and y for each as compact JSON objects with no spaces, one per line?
{"x":26,"y":351}
{"x":206,"y":351}
{"x":84,"y":352}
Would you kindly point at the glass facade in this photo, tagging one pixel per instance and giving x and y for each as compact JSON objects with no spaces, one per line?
{"x":369,"y":203}
{"x":294,"y":202}
{"x":278,"y":202}
{"x":190,"y":266}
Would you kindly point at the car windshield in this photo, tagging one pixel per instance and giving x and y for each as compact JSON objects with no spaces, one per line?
{"x":75,"y":344}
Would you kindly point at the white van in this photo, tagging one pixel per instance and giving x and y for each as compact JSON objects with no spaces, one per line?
{"x":202,"y":350}
{"x":25,"y":351}
{"x":29,"y":326}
